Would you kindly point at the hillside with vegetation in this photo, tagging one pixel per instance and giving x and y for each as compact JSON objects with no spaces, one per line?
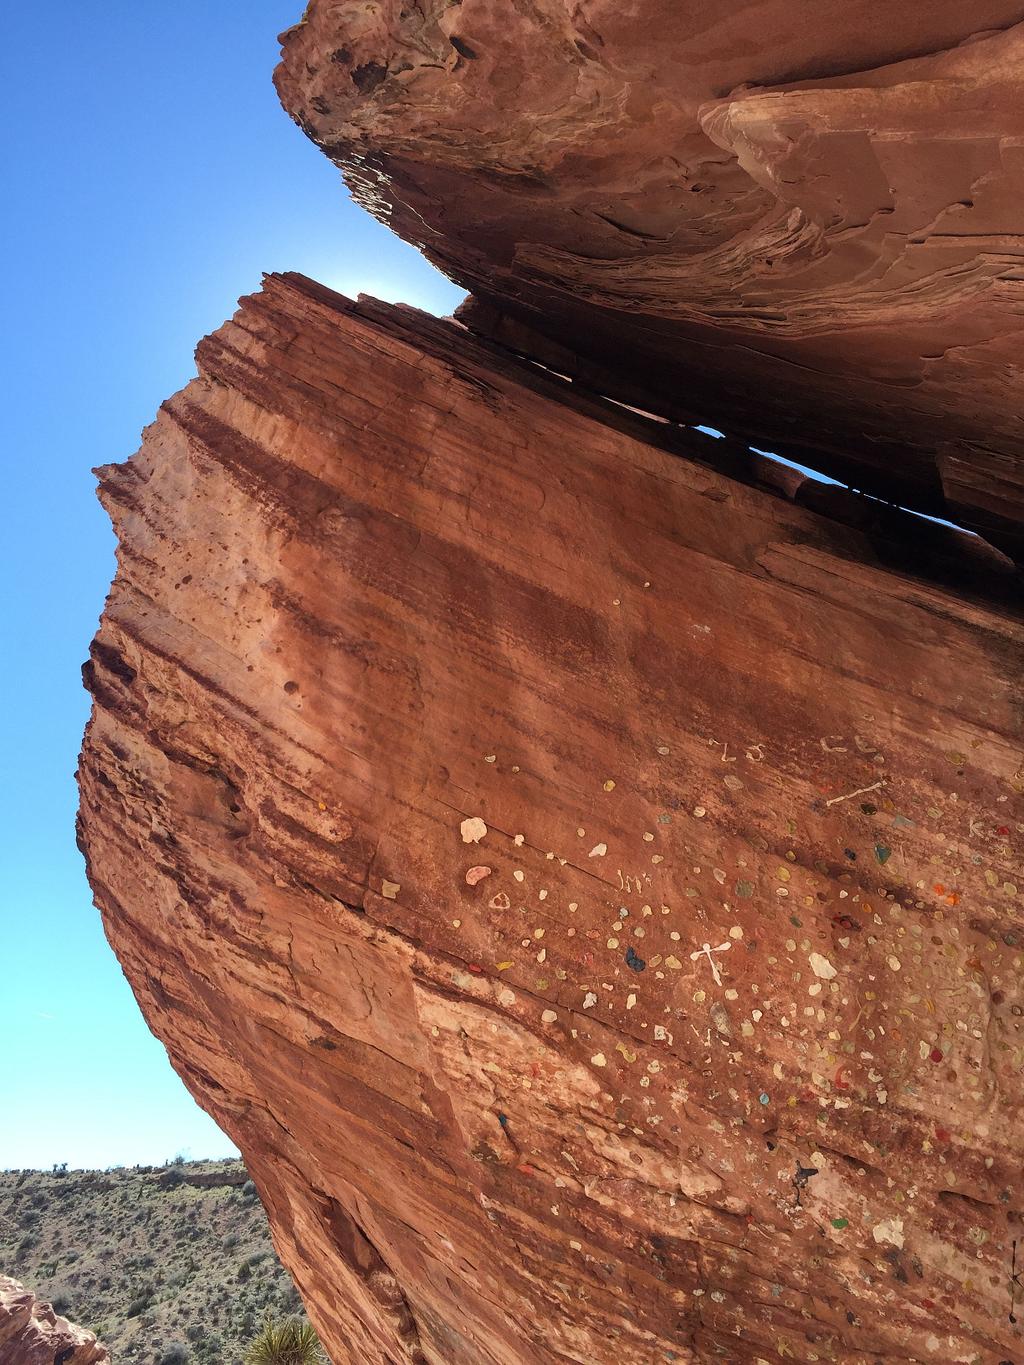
{"x":168,"y":1265}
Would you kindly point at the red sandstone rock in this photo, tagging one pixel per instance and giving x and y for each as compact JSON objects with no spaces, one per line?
{"x":723,"y":1059}
{"x":31,"y":1333}
{"x":799,"y":222}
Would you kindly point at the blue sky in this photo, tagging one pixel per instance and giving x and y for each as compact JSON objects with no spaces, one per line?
{"x":150,"y":177}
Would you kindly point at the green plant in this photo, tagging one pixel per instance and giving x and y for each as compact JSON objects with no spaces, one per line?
{"x":290,"y":1300}
{"x":61,"y":1301}
{"x":290,"y":1342}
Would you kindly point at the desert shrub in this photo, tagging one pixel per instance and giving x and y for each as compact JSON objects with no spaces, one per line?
{"x":175,"y":1354}
{"x":210,"y":1349}
{"x":139,"y":1305}
{"x":249,"y":1190}
{"x":61,"y":1301}
{"x":290,"y":1300}
{"x":290,"y":1342}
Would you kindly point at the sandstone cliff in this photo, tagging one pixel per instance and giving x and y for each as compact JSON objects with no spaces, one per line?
{"x":31,"y":1333}
{"x":800,"y":222}
{"x":583,"y":877}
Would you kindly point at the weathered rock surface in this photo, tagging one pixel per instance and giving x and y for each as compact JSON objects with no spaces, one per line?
{"x":802,"y":223}
{"x":584,"y":881}
{"x":31,"y":1333}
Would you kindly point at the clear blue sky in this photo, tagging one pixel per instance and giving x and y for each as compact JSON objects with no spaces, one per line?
{"x":149,"y":178}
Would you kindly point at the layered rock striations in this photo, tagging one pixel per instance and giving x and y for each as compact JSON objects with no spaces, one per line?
{"x":799,"y":222}
{"x":582,"y":876}
{"x":31,"y":1333}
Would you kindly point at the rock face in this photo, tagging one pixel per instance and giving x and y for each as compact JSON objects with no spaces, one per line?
{"x":583,"y":878}
{"x":799,"y":222}
{"x":31,"y":1333}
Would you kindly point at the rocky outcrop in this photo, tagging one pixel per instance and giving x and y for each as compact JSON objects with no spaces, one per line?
{"x":582,"y":876}
{"x":31,"y":1333}
{"x":801,"y":224}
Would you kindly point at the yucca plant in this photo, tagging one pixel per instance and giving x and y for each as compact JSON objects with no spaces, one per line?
{"x":289,"y":1342}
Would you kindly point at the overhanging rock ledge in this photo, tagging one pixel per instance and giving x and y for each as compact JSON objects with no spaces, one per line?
{"x":584,"y":878}
{"x":800,"y":222}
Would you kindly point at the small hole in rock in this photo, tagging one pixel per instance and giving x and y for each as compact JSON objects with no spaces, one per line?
{"x":367,"y":77}
{"x":462,"y":47}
